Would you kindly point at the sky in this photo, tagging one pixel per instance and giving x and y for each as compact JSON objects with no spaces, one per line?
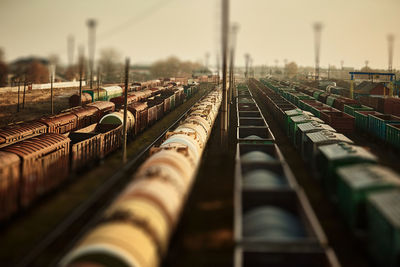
{"x":146,"y":31}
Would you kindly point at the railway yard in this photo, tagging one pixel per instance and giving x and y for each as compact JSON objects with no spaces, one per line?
{"x":271,"y":168}
{"x":175,"y":161}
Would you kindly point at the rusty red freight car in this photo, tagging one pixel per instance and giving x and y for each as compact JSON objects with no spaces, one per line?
{"x":140,"y":112}
{"x":74,"y":100}
{"x":340,"y":121}
{"x":85,"y":115}
{"x":85,"y":149}
{"x":341,"y":101}
{"x":151,"y":113}
{"x":104,"y":107}
{"x":159,"y":103}
{"x":120,"y":100}
{"x":44,"y":164}
{"x":9,"y":184}
{"x":21,"y":131}
{"x":60,"y":123}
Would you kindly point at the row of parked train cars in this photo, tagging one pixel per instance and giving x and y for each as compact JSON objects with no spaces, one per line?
{"x":274,"y":223}
{"x":366,"y":193}
{"x":344,"y":114}
{"x":106,"y":93}
{"x":136,"y":228}
{"x":37,"y":156}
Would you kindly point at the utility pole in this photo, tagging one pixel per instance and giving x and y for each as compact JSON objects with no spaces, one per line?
{"x":52,"y":73}
{"x":51,"y":93}
{"x":250,"y":67}
{"x":317,"y":43}
{"x":207,"y":56}
{"x":81,"y":75}
{"x":234,"y":29}
{"x":19,"y":81}
{"x":224,"y":29}
{"x":91,"y":23}
{"x":329,"y":70}
{"x":23,"y":97}
{"x":247,"y":59}
{"x":390,"y":68}
{"x":285,"y":62}
{"x":98,"y":81}
{"x":71,"y":48}
{"x":218,"y":66}
{"x":125,"y":110}
{"x":342,"y":69}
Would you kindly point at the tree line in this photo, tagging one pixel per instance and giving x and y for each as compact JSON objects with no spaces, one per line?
{"x":109,"y":65}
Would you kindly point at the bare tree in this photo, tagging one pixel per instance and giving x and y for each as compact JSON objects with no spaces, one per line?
{"x":291,"y":69}
{"x":173,"y":67}
{"x":3,"y":69}
{"x":110,"y":65}
{"x":36,"y":72}
{"x":1,"y":55}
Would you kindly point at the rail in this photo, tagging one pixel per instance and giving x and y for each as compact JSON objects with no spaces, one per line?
{"x":82,"y":218}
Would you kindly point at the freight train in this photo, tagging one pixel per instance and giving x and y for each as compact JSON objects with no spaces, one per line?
{"x":345,"y":114}
{"x":136,"y":229}
{"x":79,"y":117}
{"x":68,"y":120}
{"x":34,"y":154}
{"x":274,"y":224}
{"x":367,"y":194}
{"x":106,"y":93}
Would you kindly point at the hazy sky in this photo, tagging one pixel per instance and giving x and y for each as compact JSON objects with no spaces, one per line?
{"x":354,"y":30}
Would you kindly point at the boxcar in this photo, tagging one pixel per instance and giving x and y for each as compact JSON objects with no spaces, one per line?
{"x":147,"y":93}
{"x":60,"y":123}
{"x":159,"y":103}
{"x":85,"y":149}
{"x":120,"y":100}
{"x":86,"y":115}
{"x":44,"y":164}
{"x":104,"y":107}
{"x":151,"y":113}
{"x":74,"y":99}
{"x":139,"y":111}
{"x":21,"y":131}
{"x":9,"y":184}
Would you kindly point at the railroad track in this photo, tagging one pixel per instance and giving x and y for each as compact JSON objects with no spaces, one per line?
{"x":53,"y":246}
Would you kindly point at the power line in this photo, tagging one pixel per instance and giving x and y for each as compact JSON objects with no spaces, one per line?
{"x":143,"y":15}
{"x":133,"y":20}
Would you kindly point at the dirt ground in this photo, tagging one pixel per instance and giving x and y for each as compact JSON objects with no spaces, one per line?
{"x":37,"y":104}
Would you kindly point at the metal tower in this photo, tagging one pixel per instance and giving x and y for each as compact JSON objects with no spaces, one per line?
{"x":247,"y":60}
{"x":91,"y":23}
{"x":317,"y":42}
{"x":71,"y":49}
{"x":390,"y":47}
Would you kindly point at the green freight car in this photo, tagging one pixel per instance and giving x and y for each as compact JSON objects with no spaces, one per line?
{"x":331,"y":157}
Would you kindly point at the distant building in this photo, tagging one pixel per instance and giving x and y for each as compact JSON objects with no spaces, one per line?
{"x":366,"y":88}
